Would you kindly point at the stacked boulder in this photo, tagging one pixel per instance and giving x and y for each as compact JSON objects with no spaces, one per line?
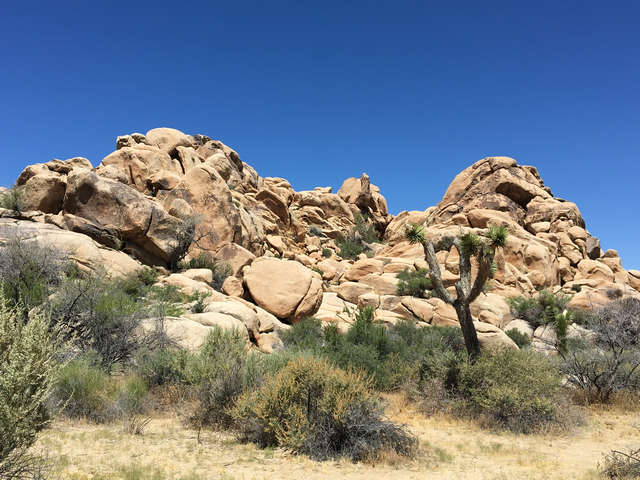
{"x":281,"y":245}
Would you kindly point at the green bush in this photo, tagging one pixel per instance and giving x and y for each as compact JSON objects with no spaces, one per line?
{"x":415,"y":283}
{"x":327,"y":252}
{"x":518,"y":390}
{"x":162,"y":366}
{"x":315,"y":408}
{"x":204,"y":260}
{"x":12,"y":200}
{"x":349,"y":248}
{"x":84,"y":390}
{"x":28,"y":364}
{"x":29,"y":272}
{"x":539,"y":310}
{"x":519,"y":338}
{"x":394,"y":357}
{"x":223,"y":369}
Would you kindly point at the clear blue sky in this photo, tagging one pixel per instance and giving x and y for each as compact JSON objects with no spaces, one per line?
{"x":410,"y":92}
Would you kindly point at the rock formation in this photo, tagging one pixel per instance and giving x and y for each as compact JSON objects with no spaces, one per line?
{"x":125,"y":212}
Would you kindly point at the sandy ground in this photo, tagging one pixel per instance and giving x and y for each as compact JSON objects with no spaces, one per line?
{"x":450,"y":449}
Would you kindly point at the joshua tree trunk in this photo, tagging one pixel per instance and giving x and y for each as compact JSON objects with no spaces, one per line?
{"x":468,"y":330}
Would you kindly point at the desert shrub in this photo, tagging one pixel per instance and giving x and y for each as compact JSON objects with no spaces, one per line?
{"x":101,"y":314}
{"x":219,"y":269}
{"x":222,"y":371}
{"x":393,"y":357}
{"x":621,"y":465}
{"x":12,"y":200}
{"x":314,"y":408}
{"x":162,"y":366}
{"x":519,"y":338}
{"x":357,"y":241}
{"x":608,"y":361}
{"x":304,"y":335}
{"x":28,"y":364}
{"x":315,"y":231}
{"x":327,"y":252}
{"x":84,"y":390}
{"x":518,"y":390}
{"x":415,"y":283}
{"x":29,"y":272}
{"x":539,"y":310}
{"x":349,"y":248}
{"x":104,"y":314}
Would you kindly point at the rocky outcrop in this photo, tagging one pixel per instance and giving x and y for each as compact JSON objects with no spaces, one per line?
{"x":281,"y":245}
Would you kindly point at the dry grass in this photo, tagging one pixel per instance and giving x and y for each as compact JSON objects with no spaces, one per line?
{"x":450,"y":449}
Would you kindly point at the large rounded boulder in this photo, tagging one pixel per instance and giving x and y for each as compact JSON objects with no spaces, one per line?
{"x":285,"y":288}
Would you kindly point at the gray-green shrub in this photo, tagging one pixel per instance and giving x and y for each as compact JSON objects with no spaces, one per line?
{"x":314,"y":408}
{"x":28,"y":364}
{"x":518,"y":390}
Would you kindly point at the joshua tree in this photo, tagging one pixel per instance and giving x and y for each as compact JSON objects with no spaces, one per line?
{"x":468,"y":245}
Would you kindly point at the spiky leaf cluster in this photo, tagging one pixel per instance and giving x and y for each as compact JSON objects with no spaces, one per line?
{"x":415,"y":233}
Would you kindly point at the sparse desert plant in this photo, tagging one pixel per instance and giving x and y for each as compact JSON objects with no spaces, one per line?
{"x":219,"y":269}
{"x":29,"y":271}
{"x":84,"y":390}
{"x":621,"y":465}
{"x":468,"y":246}
{"x":415,"y":283}
{"x":608,"y":362}
{"x":28,"y":364}
{"x":522,"y":340}
{"x":518,"y":390}
{"x":11,"y":199}
{"x":100,"y":314}
{"x":539,"y":310}
{"x":312,"y":407}
{"x":357,"y":241}
{"x":222,"y":371}
{"x":327,"y":252}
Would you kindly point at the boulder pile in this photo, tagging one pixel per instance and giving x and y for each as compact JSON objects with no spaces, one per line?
{"x":282,"y":245}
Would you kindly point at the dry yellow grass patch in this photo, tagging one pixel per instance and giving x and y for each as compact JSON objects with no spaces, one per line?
{"x":451,"y":449}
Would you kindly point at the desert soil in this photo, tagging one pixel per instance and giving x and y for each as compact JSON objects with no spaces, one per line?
{"x":450,"y":449}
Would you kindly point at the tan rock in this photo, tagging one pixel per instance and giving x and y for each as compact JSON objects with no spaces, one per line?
{"x":350,"y":291}
{"x":633,"y":277}
{"x":199,"y":274}
{"x":239,"y":311}
{"x":364,"y":267}
{"x":491,"y":337}
{"x":369,"y":299}
{"x":419,"y":308}
{"x":269,"y":343}
{"x":594,"y":270}
{"x":521,"y":326}
{"x":187,"y":285}
{"x":187,"y":334}
{"x":215,"y":319}
{"x":235,"y":256}
{"x":85,"y":252}
{"x":385,"y":284}
{"x":232,"y":286}
{"x":280,"y":286}
{"x":268,"y":322}
{"x":443,"y":313}
{"x":168,"y":139}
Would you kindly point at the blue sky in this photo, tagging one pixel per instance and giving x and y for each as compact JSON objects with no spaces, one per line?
{"x":410,"y":92}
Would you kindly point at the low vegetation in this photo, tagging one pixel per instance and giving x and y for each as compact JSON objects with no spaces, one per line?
{"x":358,"y":240}
{"x":83,"y":345}
{"x":415,"y":283}
{"x":28,"y":367}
